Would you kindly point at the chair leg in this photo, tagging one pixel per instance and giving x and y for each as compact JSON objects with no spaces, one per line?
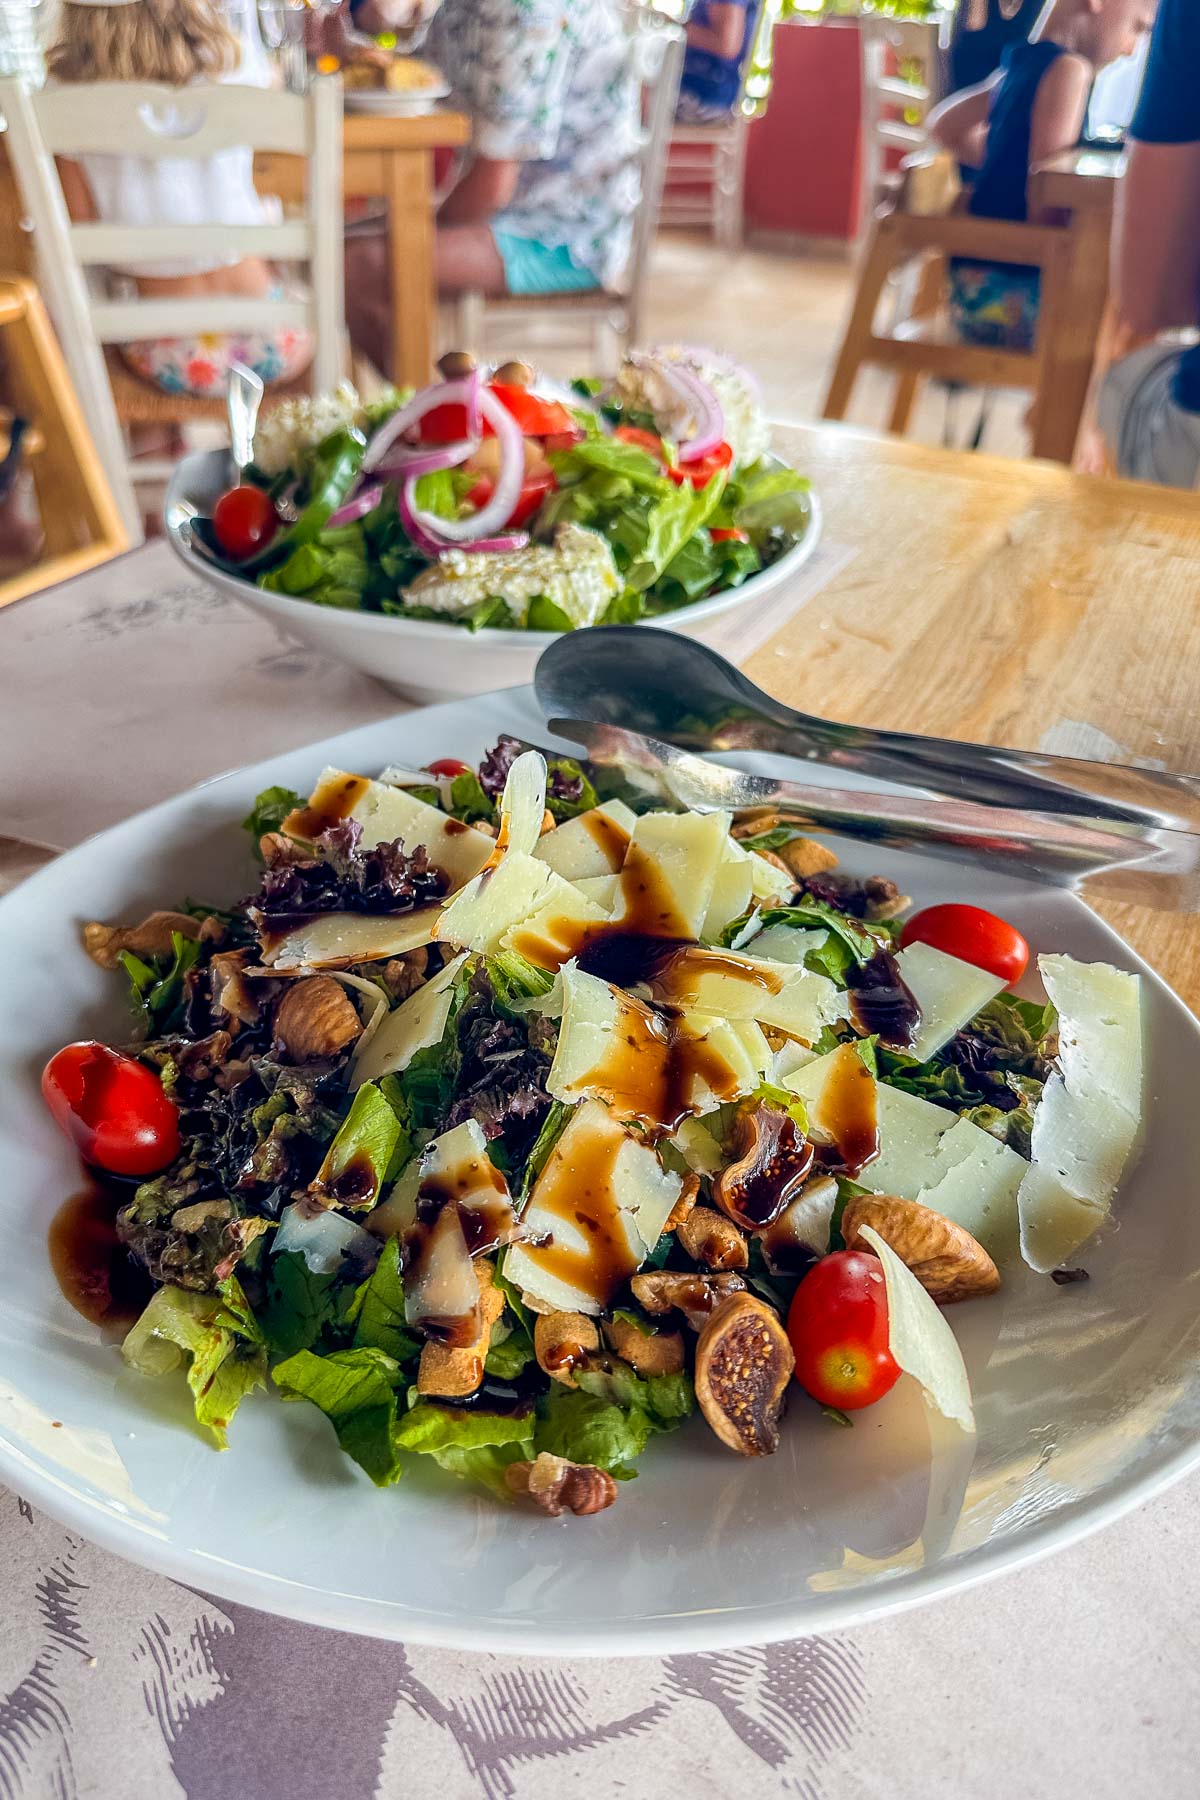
{"x":925,"y":302}
{"x":471,"y":321}
{"x":729,"y":181}
{"x":874,"y":272}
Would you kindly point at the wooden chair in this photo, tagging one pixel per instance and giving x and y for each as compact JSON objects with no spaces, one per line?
{"x":602,"y":315}
{"x":143,"y":119}
{"x":894,"y":107}
{"x":80,"y":519}
{"x":921,"y":344}
{"x":706,"y":165}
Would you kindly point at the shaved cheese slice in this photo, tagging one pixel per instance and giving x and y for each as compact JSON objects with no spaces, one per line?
{"x":416,"y":1024}
{"x":785,"y":943}
{"x":601,"y":890}
{"x":590,"y":846}
{"x":338,"y":940}
{"x":386,"y":813}
{"x":523,"y":804}
{"x":553,"y":934}
{"x":732,"y":889}
{"x":323,"y":1239}
{"x":782,"y":995}
{"x":600,"y":1203}
{"x":669,"y":870}
{"x":769,"y":884}
{"x":948,"y":991}
{"x":1088,"y":1119}
{"x":478,"y":917}
{"x":699,"y":1148}
{"x":920,"y":1339}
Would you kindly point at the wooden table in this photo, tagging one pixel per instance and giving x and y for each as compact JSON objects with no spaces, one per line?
{"x":1083,"y":184}
{"x":392,"y":159}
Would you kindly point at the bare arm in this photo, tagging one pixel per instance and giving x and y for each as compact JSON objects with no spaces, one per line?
{"x":76,"y":192}
{"x":723,"y":32}
{"x":1156,"y":242}
{"x":485,"y":188}
{"x":959,"y":124}
{"x":1058,"y":113}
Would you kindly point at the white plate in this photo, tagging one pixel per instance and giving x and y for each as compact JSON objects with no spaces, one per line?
{"x":401,"y":103}
{"x":1088,"y":1398}
{"x":421,"y":657}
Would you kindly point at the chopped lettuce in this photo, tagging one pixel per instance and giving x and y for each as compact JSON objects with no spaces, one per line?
{"x":587,"y":1429}
{"x":218,"y":1337}
{"x":849,"y":940}
{"x":508,"y":1356}
{"x":355,"y":1389}
{"x":378,"y":1309}
{"x":156,"y":990}
{"x":360,"y":1157}
{"x":271,"y":807}
{"x":514,"y":978}
{"x":478,"y":1445}
{"x":300,"y":1308}
{"x":468,"y":800}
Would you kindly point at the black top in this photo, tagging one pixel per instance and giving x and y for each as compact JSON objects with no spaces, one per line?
{"x":1168,"y":112}
{"x":974,"y":55}
{"x":999,"y":191}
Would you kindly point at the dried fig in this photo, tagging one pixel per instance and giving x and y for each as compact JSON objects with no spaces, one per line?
{"x":743,"y":1365}
{"x":696,"y":1296}
{"x":946,"y":1260}
{"x":773,"y":1161}
{"x":710,"y":1238}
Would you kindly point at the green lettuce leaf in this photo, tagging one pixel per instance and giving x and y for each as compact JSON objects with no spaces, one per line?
{"x":360,"y":1156}
{"x":783,"y":1100}
{"x":378,"y":1309}
{"x":585,"y":1428}
{"x":270,"y":809}
{"x":299,"y":1308}
{"x":475,"y":1445}
{"x":572,"y":773}
{"x":156,"y":991}
{"x":468,"y":800}
{"x":507,"y":1357}
{"x":217,"y":1337}
{"x":666,"y":1400}
{"x":355,"y":1389}
{"x":514,"y":978}
{"x":771,"y":500}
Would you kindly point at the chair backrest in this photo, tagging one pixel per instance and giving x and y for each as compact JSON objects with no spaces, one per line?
{"x":157,"y":122}
{"x":660,"y":50}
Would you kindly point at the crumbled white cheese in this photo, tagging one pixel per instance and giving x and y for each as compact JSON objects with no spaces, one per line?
{"x":577,"y":573}
{"x":294,"y":426}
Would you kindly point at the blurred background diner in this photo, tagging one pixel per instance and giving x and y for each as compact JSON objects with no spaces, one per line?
{"x":920,"y":217}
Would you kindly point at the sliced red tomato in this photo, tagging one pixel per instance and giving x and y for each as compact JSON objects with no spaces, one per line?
{"x":534,"y":490}
{"x":536,"y":416}
{"x":244,"y":519}
{"x":641,"y":439}
{"x":113,"y":1109}
{"x":697,"y":472}
{"x":973,"y":935}
{"x":728,"y":534}
{"x":838,"y":1326}
{"x":449,"y":766}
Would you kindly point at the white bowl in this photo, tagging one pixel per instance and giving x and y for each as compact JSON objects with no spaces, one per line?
{"x":421,"y":658}
{"x":1087,"y":1397}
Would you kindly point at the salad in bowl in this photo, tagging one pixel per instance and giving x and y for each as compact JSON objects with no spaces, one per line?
{"x":510,"y":1127}
{"x":500,"y":500}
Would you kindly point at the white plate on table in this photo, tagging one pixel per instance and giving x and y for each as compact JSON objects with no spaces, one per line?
{"x":1087,"y":1397}
{"x":394,"y":103}
{"x":422,"y":657}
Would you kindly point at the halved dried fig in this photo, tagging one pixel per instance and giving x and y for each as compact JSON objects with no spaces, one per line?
{"x":773,"y":1161}
{"x":947,"y":1261}
{"x":743,"y":1365}
{"x":696,"y":1296}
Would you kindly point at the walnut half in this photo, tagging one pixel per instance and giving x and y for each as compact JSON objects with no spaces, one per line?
{"x":316,"y":1019}
{"x":104,"y":943}
{"x":947,"y":1261}
{"x":558,"y":1486}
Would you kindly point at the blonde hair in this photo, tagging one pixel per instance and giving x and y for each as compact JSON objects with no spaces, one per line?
{"x":173,"y":41}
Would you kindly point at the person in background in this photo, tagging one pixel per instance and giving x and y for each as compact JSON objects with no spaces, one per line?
{"x":719,"y":36}
{"x":177,"y":42}
{"x":981,"y":33}
{"x":1149,"y":408}
{"x":1033,"y":108}
{"x":544,"y":202}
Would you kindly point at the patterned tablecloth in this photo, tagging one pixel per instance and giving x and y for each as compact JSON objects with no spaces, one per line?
{"x":1077,"y":1678}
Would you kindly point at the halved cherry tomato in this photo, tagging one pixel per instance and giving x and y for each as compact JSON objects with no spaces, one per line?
{"x":113,"y":1109}
{"x":244,"y":519}
{"x":728,"y":534}
{"x":698,"y":472}
{"x":536,"y":416}
{"x":973,"y":935}
{"x":449,"y":766}
{"x":533,"y":491}
{"x":838,"y":1326}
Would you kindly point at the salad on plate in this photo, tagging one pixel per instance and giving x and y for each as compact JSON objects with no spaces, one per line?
{"x":510,"y":1126}
{"x":502,"y":499}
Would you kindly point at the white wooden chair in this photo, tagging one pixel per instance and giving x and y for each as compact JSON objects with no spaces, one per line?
{"x":608,"y":318}
{"x":136,"y":119}
{"x":706,"y":167}
{"x":888,"y":95}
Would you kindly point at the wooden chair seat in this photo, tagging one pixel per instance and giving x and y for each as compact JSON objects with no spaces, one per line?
{"x":139,"y":402}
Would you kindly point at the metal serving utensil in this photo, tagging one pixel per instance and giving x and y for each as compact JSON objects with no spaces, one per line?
{"x":243,"y":399}
{"x":1119,"y":859}
{"x":681,"y":692}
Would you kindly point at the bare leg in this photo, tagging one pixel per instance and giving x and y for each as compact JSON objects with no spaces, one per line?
{"x":466,"y":259}
{"x":369,"y":297}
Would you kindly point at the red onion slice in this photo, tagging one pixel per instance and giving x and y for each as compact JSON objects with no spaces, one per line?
{"x":463,"y":392}
{"x":699,"y":399}
{"x":418,"y":537}
{"x":357,"y":507}
{"x":499,"y":508}
{"x":425,"y":459}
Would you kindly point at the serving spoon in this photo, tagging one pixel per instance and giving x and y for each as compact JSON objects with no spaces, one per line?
{"x":683,"y":693}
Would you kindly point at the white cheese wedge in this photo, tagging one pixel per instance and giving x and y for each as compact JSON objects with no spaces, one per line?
{"x":920,"y":1339}
{"x":1089,"y":1117}
{"x":601,"y":890}
{"x":785,"y":943}
{"x":783,"y":995}
{"x":732,"y":889}
{"x":699,"y":1148}
{"x":338,"y":940}
{"x":669,"y":870}
{"x":495,"y":901}
{"x":600,"y":1203}
{"x":948,"y":991}
{"x":590,"y":846}
{"x":386,"y":813}
{"x":523,"y":804}
{"x":558,"y":928}
{"x":323,"y":1239}
{"x":770,"y":885}
{"x":416,"y":1024}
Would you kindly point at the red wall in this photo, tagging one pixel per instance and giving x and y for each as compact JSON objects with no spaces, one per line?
{"x":802,"y":166}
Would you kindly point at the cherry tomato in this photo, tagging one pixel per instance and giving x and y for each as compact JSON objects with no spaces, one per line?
{"x":728,"y":534}
{"x":244,"y":519}
{"x":112,"y":1108}
{"x":449,"y":766}
{"x":973,"y":935}
{"x":534,"y":489}
{"x":838,"y":1326}
{"x":641,"y":439}
{"x":536,"y":416}
{"x":697,"y":472}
